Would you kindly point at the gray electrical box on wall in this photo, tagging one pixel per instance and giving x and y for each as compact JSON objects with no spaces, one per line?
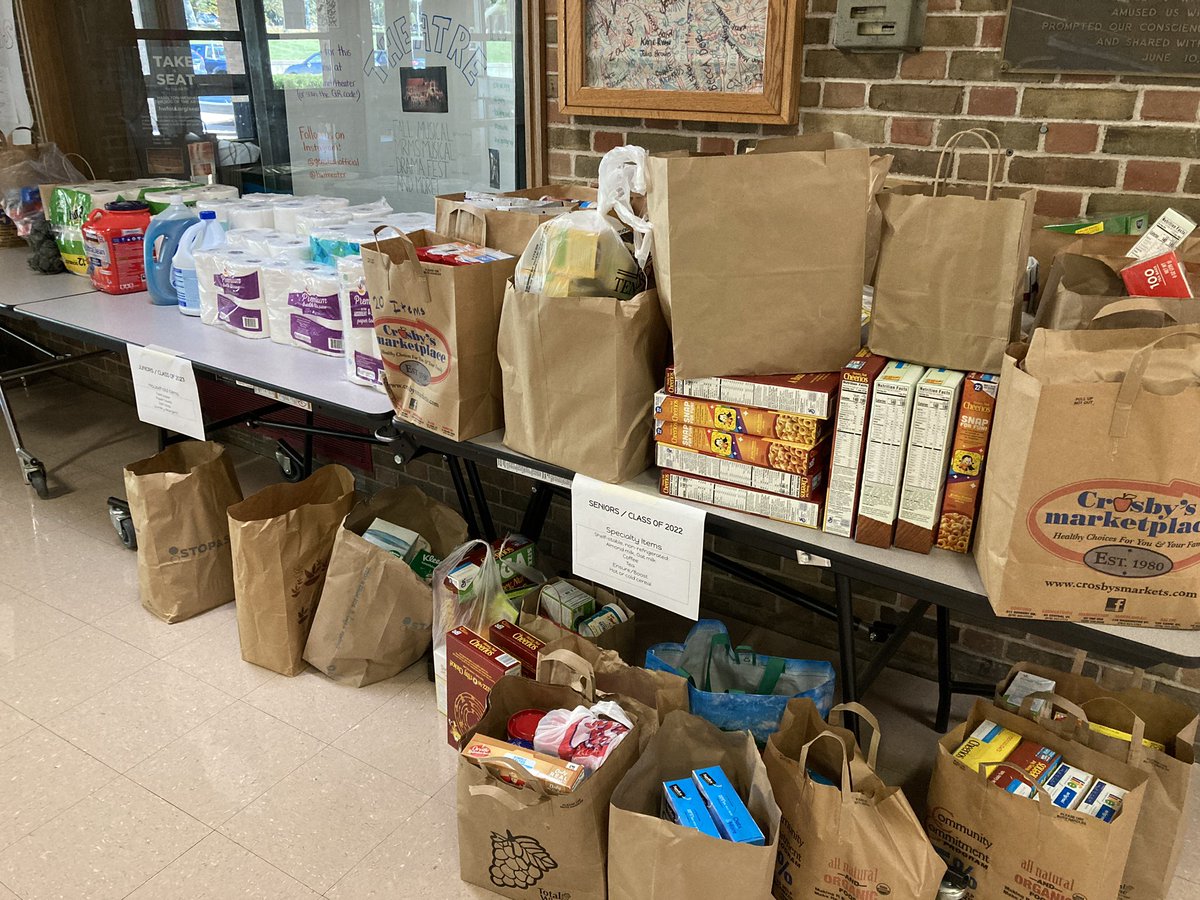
{"x":879,"y":24}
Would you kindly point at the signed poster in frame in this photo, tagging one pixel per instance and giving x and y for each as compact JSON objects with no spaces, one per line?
{"x":720,"y":60}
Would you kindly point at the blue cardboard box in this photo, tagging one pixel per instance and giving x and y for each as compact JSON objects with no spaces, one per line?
{"x":683,"y":805}
{"x":733,"y":819}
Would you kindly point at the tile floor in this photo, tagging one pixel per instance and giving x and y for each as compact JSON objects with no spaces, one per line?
{"x":148,"y":761}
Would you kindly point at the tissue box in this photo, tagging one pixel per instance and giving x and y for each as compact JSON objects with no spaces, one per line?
{"x":728,"y":810}
{"x":683,"y":805}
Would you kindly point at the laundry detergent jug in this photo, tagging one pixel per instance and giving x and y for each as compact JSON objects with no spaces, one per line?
{"x":162,"y":240}
{"x":207,"y":234}
{"x":114,"y":238}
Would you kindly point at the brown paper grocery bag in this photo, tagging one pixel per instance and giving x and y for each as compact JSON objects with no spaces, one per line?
{"x":1077,"y":288}
{"x":1091,"y":507}
{"x":856,"y":838}
{"x":663,"y":692}
{"x":952,"y":269}
{"x":507,"y":230}
{"x":650,"y":857}
{"x":760,"y":258}
{"x":436,"y":326}
{"x":1014,"y":848}
{"x":579,"y":380}
{"x":178,"y":499}
{"x":282,"y":537}
{"x":523,"y":844}
{"x":375,"y":613}
{"x":621,"y":638}
{"x":1158,"y":838}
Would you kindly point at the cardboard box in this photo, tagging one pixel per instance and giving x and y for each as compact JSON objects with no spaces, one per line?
{"x":728,"y":810}
{"x":1068,"y":785}
{"x":964,"y":481}
{"x":733,"y":471}
{"x":683,"y":805}
{"x":473,"y":666}
{"x":810,"y":394}
{"x":935,"y":411}
{"x":758,"y":451}
{"x":1158,"y":276}
{"x":849,"y":440}
{"x":1103,"y":801}
{"x":1112,"y":223}
{"x":1166,"y":234}
{"x":565,"y":604}
{"x":1035,"y":760}
{"x":883,"y":462}
{"x":556,"y":775}
{"x":988,"y":743}
{"x":804,"y":430}
{"x":741,"y":499}
{"x":1022,"y":685}
{"x":519,"y":643}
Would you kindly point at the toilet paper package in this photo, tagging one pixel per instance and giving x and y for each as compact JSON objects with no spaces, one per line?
{"x":330,"y":244}
{"x":319,"y":217}
{"x":303,"y":307}
{"x":364,"y":362}
{"x":231,"y":295}
{"x":250,"y":239}
{"x":277,"y":245}
{"x":220,"y":206}
{"x":285,"y":212}
{"x":370,"y":212}
{"x":252,"y":214}
{"x":411,"y":221}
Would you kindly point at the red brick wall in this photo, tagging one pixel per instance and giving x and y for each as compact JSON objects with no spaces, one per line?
{"x":1088,"y":143}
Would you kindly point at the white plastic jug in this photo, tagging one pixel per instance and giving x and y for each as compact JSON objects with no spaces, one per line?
{"x":162,"y":240}
{"x":207,"y":234}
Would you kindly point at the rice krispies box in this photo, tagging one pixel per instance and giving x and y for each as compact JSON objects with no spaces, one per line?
{"x":759,"y":451}
{"x":804,"y":430}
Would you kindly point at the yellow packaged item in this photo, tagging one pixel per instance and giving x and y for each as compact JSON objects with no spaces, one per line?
{"x":989,"y":743}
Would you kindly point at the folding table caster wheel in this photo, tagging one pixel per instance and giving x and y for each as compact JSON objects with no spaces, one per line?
{"x":35,"y":477}
{"x":291,"y":466}
{"x":122,"y":521}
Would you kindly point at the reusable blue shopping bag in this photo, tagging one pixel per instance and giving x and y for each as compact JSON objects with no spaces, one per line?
{"x":737,"y":689}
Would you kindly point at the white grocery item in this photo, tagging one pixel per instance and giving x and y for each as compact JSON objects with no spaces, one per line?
{"x":397,"y":540}
{"x":285,"y":213}
{"x":276,"y":245}
{"x":221,"y":207}
{"x":251,"y":214}
{"x":364,"y":361}
{"x":249,"y":238}
{"x":231,"y":291}
{"x":205,"y":235}
{"x":323,"y":200}
{"x":316,"y":217}
{"x":566,"y":604}
{"x":303,"y":307}
{"x":411,"y":221}
{"x":1024,"y":684}
{"x":1166,"y":234}
{"x":370,"y":211}
{"x":581,"y":735}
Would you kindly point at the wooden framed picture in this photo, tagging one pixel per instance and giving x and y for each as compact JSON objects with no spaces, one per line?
{"x":721,"y":60}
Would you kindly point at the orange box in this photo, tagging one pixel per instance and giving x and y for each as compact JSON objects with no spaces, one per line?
{"x":759,"y":451}
{"x":556,"y":775}
{"x":804,"y":430}
{"x":964,"y":482}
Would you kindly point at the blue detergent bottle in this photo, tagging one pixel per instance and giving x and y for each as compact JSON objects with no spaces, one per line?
{"x":162,"y":238}
{"x":207,"y":234}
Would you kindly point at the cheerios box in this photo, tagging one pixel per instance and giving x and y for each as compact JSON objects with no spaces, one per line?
{"x":806,"y":394}
{"x":473,"y":666}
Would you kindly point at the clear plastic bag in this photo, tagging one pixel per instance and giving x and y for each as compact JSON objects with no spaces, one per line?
{"x":581,"y":253}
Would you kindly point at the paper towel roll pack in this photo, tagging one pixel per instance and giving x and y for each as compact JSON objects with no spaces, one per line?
{"x":231,"y":291}
{"x":302,"y":306}
{"x":364,"y":362}
{"x":252,"y":215}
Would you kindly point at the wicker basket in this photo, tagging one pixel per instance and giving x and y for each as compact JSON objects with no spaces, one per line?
{"x":9,"y":238}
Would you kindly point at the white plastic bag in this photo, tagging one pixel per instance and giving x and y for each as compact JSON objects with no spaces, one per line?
{"x":581,"y":253}
{"x":581,"y":735}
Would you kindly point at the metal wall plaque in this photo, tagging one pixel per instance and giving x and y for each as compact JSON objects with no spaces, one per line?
{"x":1140,"y":37}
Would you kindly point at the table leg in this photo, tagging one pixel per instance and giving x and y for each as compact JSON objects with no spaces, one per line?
{"x":845,"y":607}
{"x":309,"y":421}
{"x":464,"y":498}
{"x":485,"y":510}
{"x":945,"y":670}
{"x":536,"y":511}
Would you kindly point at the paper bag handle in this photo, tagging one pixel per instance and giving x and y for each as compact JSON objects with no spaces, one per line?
{"x":951,"y":146}
{"x":1136,"y":747}
{"x":500,"y":794}
{"x":862,"y":712}
{"x":1131,"y":386}
{"x":845,"y":789}
{"x":410,"y":249}
{"x":1052,"y":700}
{"x":452,"y":222}
{"x":584,"y":680}
{"x":1134,"y":304}
{"x":1044,"y":800}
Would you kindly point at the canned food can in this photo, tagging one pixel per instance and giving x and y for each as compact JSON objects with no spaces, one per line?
{"x":602,"y":620}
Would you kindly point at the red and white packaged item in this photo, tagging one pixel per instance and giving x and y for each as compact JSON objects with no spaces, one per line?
{"x":581,"y":735}
{"x":1159,"y":276}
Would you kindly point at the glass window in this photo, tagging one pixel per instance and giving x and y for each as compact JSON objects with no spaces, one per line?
{"x":402,"y":99}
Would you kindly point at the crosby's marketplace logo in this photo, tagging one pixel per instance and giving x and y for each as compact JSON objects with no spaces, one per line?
{"x":1129,"y":529}
{"x":415,"y":349}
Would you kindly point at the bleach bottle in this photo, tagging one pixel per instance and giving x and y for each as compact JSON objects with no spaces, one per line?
{"x":207,"y":234}
{"x":162,"y":238}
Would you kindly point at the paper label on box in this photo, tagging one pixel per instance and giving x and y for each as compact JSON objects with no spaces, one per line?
{"x":928,"y":452}
{"x":887,"y":439}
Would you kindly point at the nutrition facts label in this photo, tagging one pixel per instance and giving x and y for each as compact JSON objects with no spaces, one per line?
{"x":886,"y":440}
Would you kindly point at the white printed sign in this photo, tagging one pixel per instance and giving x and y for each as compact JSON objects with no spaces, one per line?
{"x":644,"y":545}
{"x":14,"y":101}
{"x":164,"y":386}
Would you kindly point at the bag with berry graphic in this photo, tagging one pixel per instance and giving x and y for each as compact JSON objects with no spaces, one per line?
{"x":282,"y":538}
{"x":527,"y":842}
{"x":651,"y":858}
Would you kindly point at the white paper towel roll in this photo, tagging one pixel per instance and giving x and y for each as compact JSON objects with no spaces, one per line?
{"x":370,"y":212}
{"x":253,"y":214}
{"x":364,"y":362}
{"x":333,"y":202}
{"x":288,"y":211}
{"x":306,"y":312}
{"x":276,"y":244}
{"x":310,"y":220}
{"x":238,"y":282}
{"x":221,"y":207}
{"x":247,"y":238}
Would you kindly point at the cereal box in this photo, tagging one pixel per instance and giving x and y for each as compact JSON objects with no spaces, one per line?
{"x":1034,"y":760}
{"x":473,"y":666}
{"x":519,"y":643}
{"x":804,"y":430}
{"x":810,"y":394}
{"x":961,"y":500}
{"x":988,"y":743}
{"x":1159,"y":276}
{"x":849,"y":439}
{"x":759,"y":451}
{"x":732,"y":471}
{"x":741,"y":499}
{"x":883,"y":464}
{"x":929,"y":437}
